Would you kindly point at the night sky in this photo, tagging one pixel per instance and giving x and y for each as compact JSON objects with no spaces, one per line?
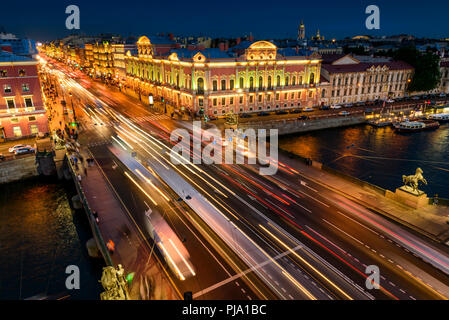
{"x":45,"y":20}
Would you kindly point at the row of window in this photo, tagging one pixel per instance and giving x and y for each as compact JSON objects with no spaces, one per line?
{"x":349,"y":80}
{"x":4,"y":73}
{"x":345,"y":91}
{"x":259,"y":98}
{"x":261,"y":82}
{"x":7,"y":88}
{"x":11,"y":104}
{"x":260,"y":108}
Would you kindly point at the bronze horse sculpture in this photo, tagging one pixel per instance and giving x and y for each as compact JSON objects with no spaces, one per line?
{"x":413,"y":180}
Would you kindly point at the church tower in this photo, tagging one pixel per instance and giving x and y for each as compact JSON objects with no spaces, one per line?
{"x":301,"y":31}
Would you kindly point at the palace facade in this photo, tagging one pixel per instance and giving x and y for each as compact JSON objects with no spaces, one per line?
{"x":217,"y":81}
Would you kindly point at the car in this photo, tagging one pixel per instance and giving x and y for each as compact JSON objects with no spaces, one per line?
{"x":303,"y":117}
{"x":307,"y":109}
{"x":245,"y":115}
{"x":348,"y":105}
{"x":263,"y":114}
{"x":324,"y":108}
{"x":24,"y":150}
{"x":295,"y":111}
{"x":335,"y":106}
{"x":360,"y":103}
{"x":442,"y":95}
{"x":390,"y":100}
{"x":18,"y":146}
{"x":343,"y":113}
{"x":281,"y":112}
{"x":416,"y":98}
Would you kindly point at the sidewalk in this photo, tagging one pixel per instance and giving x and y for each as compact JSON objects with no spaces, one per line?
{"x":429,"y":220}
{"x":150,"y":281}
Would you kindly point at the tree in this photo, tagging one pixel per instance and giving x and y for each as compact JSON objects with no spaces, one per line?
{"x":427,"y":68}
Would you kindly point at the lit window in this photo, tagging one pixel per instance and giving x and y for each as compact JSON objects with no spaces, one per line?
{"x":25,"y":87}
{"x":7,"y":88}
{"x":22,"y":73}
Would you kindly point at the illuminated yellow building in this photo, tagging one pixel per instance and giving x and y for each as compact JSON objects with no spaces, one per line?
{"x":262,"y":77}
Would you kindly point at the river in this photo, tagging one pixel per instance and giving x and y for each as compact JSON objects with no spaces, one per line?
{"x":379,"y":155}
{"x":40,"y":235}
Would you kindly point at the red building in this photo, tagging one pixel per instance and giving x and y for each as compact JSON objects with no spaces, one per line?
{"x":22,"y":112}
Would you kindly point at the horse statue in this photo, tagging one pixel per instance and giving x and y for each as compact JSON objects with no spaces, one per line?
{"x":413,"y":180}
{"x":114,"y":284}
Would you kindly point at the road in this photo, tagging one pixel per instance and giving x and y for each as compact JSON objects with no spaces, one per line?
{"x":303,"y":240}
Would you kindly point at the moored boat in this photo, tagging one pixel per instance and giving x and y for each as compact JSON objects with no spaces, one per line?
{"x":440,"y":117}
{"x":412,"y":126}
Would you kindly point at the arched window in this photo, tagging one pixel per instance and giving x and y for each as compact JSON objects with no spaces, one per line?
{"x":300,"y":80}
{"x":251,"y":83}
{"x":241,"y":84}
{"x":312,"y":78}
{"x":152,"y":75}
{"x":223,"y":84}
{"x":158,"y":76}
{"x":200,"y":85}
{"x":214,"y":85}
{"x":286,"y":81}
{"x":278,"y":81}
{"x":177,"y":80}
{"x":260,"y":83}
{"x":323,"y":93}
{"x":269,"y":82}
{"x":294,"y":81}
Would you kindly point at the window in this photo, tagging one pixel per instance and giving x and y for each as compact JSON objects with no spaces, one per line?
{"x":28,"y":102}
{"x":286,"y":81}
{"x":294,"y":81}
{"x":269,"y":82}
{"x":241,"y":99}
{"x":231,"y":100}
{"x":346,"y":81}
{"x":22,"y":73}
{"x":34,"y":129}
{"x":260,"y":83}
{"x":278,"y":81}
{"x":323,"y":93}
{"x":25,"y":87}
{"x":251,"y":83}
{"x":292,"y":95}
{"x":251,"y":99}
{"x":3,"y":73}
{"x":7,"y":88}
{"x":32,"y":118}
{"x":285,"y":96}
{"x":200,"y":102}
{"x":14,"y":120}
{"x":300,"y":80}
{"x":17,"y":132}
{"x":269,"y":97}
{"x":241,"y":85}
{"x":260,"y":98}
{"x":223,"y":84}
{"x":214,"y":103}
{"x":223,"y":101}
{"x":277,"y":96}
{"x":231,"y":84}
{"x":312,"y":78}
{"x":310,"y":94}
{"x":214,"y":85}
{"x":200,"y":84}
{"x":10,"y":103}
{"x":333,"y":93}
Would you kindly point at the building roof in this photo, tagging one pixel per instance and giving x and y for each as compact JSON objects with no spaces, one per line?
{"x":209,"y":53}
{"x":363,"y":66}
{"x":6,"y":56}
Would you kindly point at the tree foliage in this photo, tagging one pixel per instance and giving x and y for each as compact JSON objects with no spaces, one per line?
{"x":427,"y":68}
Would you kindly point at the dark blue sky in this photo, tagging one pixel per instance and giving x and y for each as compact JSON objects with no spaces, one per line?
{"x":43,"y":20}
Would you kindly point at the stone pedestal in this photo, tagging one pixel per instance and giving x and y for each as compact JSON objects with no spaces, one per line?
{"x":407,"y":196}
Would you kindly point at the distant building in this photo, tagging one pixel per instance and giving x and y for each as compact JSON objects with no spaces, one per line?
{"x":444,"y":70}
{"x":301,"y":31}
{"x":20,"y":47}
{"x":22,"y":111}
{"x":351,"y":80}
{"x":119,"y":51}
{"x":254,"y":76}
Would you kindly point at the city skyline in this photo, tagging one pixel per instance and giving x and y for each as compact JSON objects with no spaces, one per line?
{"x":340,"y":21}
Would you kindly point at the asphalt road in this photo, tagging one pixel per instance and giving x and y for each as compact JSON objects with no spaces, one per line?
{"x":322,"y":240}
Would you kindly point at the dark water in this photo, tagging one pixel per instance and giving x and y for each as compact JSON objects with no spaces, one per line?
{"x":40,"y":235}
{"x":379,"y":155}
